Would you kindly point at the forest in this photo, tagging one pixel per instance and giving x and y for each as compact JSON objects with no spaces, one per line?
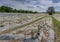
{"x":11,"y":10}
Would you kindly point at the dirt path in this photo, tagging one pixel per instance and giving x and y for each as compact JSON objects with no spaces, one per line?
{"x":47,"y":32}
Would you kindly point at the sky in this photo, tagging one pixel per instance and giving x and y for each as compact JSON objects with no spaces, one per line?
{"x":34,"y":5}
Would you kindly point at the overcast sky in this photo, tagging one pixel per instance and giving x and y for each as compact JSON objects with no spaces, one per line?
{"x":35,"y":5}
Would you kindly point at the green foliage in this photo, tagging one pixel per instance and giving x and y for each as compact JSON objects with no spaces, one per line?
{"x":50,"y":10}
{"x":5,"y":9}
{"x":56,"y":24}
{"x":9,"y":9}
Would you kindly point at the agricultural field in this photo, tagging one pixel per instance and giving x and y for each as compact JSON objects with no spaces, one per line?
{"x":15,"y":24}
{"x":26,"y":26}
{"x":12,"y":21}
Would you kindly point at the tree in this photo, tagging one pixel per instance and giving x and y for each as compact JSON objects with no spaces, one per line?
{"x":50,"y":10}
{"x":5,"y":9}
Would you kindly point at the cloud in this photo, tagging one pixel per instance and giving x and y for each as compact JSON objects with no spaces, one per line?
{"x":35,"y":5}
{"x":57,"y":4}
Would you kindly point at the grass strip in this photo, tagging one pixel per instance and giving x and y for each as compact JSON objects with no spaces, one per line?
{"x":56,"y":24}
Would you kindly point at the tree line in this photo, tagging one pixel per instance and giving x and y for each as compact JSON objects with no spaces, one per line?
{"x":10,"y":9}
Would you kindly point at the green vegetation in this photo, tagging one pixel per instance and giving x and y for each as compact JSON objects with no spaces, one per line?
{"x":56,"y":24}
{"x":11,"y":10}
{"x":50,"y":10}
